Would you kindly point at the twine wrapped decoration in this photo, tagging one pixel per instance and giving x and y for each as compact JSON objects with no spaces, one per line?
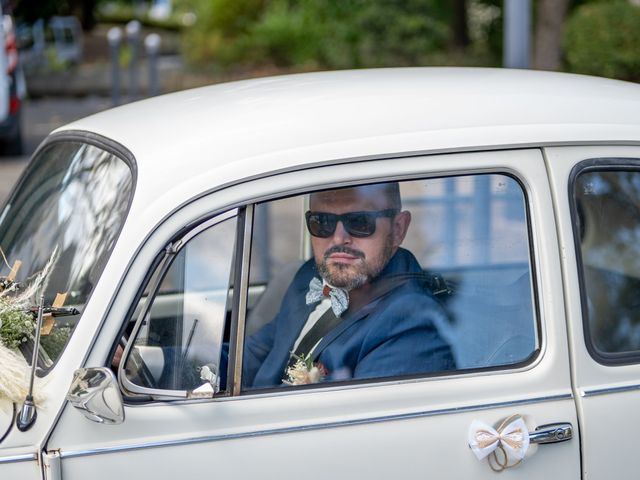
{"x":511,"y":439}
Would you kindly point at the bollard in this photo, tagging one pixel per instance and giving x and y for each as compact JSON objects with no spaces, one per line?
{"x":114,"y":37}
{"x":152,"y":47}
{"x":133,"y":37}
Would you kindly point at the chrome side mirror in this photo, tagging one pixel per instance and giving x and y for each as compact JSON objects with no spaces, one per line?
{"x":95,"y":392}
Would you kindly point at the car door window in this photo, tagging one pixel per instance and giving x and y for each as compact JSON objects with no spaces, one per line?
{"x":181,"y":326}
{"x":606,"y":209}
{"x":463,"y":296}
{"x":453,"y":292}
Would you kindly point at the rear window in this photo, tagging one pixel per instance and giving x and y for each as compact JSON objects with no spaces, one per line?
{"x":606,"y":209}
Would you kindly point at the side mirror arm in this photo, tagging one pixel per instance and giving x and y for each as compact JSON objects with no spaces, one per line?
{"x":95,"y":392}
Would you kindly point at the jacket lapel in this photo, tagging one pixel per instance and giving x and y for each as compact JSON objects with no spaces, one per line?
{"x":346,"y":322}
{"x":297,"y":318}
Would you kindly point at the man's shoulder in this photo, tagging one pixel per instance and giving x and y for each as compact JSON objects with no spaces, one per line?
{"x":402,"y":262}
{"x":407,"y":310}
{"x":408,"y":291}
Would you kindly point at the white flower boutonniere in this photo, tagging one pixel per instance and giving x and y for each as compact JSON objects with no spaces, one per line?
{"x":305,"y":371}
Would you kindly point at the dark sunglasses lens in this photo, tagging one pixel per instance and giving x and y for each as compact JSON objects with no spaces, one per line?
{"x":360,"y":224}
{"x":321,"y":225}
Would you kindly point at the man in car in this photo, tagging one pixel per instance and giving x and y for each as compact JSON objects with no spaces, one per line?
{"x":360,"y":308}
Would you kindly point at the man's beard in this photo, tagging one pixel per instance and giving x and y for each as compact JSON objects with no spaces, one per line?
{"x":353,"y":276}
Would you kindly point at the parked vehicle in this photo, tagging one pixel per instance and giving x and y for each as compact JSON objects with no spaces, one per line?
{"x":12,"y":86}
{"x":173,"y":227}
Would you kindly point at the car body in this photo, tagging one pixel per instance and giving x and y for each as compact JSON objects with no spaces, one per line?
{"x":522,"y":189}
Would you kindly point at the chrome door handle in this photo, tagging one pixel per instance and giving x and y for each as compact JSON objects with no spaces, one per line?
{"x":552,"y":433}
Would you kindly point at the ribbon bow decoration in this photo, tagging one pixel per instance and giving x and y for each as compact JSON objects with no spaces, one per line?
{"x":511,"y":437}
{"x":318,"y":291}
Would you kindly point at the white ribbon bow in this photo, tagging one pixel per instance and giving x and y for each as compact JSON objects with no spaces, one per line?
{"x":513,"y":437}
{"x":339,"y":297}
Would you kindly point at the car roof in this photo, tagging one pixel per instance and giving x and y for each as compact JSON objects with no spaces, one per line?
{"x":236,"y":130}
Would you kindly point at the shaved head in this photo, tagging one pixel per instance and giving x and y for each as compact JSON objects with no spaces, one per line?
{"x":379,"y":195}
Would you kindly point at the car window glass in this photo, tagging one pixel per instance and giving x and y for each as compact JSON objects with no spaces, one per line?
{"x":180,"y":342}
{"x":455,"y":293}
{"x":607,"y":207}
{"x":73,"y":199}
{"x":277,"y":251}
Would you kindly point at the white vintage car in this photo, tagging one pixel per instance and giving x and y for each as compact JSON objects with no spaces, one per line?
{"x":178,"y":234}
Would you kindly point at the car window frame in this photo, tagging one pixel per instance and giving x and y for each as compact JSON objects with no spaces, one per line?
{"x":153,"y":282}
{"x":244,"y":236}
{"x":536,"y":308}
{"x":599,"y":164}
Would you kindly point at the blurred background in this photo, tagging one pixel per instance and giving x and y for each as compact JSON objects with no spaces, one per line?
{"x":66,"y":59}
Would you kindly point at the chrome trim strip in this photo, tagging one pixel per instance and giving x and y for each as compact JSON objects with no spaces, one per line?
{"x":605,"y":391}
{"x":305,"y":428}
{"x":238,"y":335}
{"x":203,"y":226}
{"x":19,"y":458}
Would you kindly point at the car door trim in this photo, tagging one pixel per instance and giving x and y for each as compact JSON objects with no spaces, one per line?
{"x":240,"y":293}
{"x":592,"y":392}
{"x":311,"y":427}
{"x":19,"y":458}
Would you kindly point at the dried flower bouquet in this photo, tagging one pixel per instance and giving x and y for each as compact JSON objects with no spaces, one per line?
{"x":17,"y":326}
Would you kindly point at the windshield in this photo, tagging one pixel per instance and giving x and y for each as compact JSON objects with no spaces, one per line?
{"x":72,"y":201}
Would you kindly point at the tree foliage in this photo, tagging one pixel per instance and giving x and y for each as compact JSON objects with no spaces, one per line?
{"x":319,"y":33}
{"x":602,"y":38}
{"x":550,"y":21}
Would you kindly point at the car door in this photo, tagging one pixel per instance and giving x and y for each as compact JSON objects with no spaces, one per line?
{"x":484,"y":234}
{"x":597,"y":203}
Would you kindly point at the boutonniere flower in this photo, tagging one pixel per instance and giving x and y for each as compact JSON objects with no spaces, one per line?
{"x":305,"y":371}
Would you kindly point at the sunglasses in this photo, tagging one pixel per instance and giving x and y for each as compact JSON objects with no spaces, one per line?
{"x":357,"y":224}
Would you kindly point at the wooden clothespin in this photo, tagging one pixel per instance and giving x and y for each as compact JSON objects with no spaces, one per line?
{"x":7,"y":282}
{"x":48,"y":322}
{"x":14,"y":270}
{"x":58,"y":302}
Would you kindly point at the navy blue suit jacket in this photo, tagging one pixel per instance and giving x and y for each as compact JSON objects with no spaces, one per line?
{"x":392,"y":335}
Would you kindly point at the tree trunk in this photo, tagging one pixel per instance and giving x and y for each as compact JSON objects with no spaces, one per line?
{"x":84,"y":10}
{"x":549,"y":29}
{"x":460,"y":24}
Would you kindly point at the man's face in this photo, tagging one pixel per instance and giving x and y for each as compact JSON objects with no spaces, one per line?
{"x":350,"y":262}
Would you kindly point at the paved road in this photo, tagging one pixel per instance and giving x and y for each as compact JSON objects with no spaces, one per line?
{"x":40,"y":117}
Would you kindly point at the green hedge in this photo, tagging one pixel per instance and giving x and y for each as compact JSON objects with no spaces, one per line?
{"x":315,"y":33}
{"x":603,"y":38}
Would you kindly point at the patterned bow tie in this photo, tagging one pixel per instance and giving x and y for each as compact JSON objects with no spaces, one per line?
{"x":318,"y":291}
